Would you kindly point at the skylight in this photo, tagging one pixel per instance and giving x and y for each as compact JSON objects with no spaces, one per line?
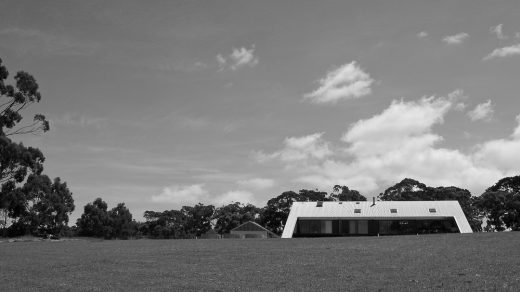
{"x":432,"y":210}
{"x":357,"y":210}
{"x":393,"y":210}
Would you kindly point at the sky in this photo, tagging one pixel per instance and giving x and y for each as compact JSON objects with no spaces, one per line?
{"x":160,"y":104}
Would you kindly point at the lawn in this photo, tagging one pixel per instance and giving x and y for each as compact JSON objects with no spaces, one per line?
{"x":471,"y":262}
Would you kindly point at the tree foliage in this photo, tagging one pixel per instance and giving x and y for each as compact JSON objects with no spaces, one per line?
{"x":233,"y":215}
{"x":33,"y":202}
{"x":343,"y":193}
{"x":94,"y":220}
{"x":189,"y":222}
{"x":50,"y":204}
{"x":500,"y":204}
{"x":14,"y":99}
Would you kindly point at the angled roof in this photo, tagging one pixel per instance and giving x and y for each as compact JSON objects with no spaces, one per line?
{"x":379,"y":210}
{"x":252,"y":226}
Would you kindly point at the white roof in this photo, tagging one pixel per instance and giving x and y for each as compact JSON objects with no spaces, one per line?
{"x":379,"y":210}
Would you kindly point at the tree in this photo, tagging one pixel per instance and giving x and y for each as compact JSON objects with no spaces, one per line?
{"x":198,"y":218}
{"x":233,"y":215}
{"x":94,"y":221}
{"x":16,"y":160}
{"x":412,"y":190}
{"x":50,"y":204}
{"x":500,"y":204}
{"x":120,"y":222}
{"x":166,"y":224}
{"x":346,"y":194}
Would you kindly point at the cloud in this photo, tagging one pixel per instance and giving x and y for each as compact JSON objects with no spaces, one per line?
{"x":256,"y":183}
{"x":422,"y":34}
{"x":299,"y":149}
{"x":456,"y":39}
{"x":399,"y":142}
{"x":497,"y":30}
{"x":182,"y":195}
{"x":483,"y":111}
{"x":238,"y":58}
{"x":235,"y":196}
{"x":504,"y":52}
{"x":346,"y":82}
{"x":189,"y":195}
{"x":501,"y":153}
{"x":78,"y":120}
{"x":39,"y":42}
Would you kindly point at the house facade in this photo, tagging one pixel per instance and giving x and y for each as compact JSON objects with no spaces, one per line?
{"x":320,"y":219}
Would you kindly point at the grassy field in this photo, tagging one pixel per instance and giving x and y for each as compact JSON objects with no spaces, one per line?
{"x":453,"y":262}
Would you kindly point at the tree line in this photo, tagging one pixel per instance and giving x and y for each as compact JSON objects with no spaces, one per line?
{"x":33,"y":203}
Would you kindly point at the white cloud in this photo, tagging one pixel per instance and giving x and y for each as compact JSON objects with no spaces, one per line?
{"x":299,"y":149}
{"x":346,"y":82}
{"x":483,"y":111}
{"x":403,"y":124}
{"x":238,"y":58}
{"x":497,"y":30}
{"x":188,"y":195}
{"x":456,"y":39}
{"x":400,"y":142}
{"x":504,"y":52}
{"x":257,"y":183}
{"x":182,"y":195}
{"x":235,"y":196}
{"x":422,"y":34}
{"x":501,"y":154}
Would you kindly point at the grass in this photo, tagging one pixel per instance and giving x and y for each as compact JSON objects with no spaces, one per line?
{"x":453,"y":262}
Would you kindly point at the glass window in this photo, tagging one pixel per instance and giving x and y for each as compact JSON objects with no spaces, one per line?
{"x":393,"y":210}
{"x":363,"y":226}
{"x":433,"y":210}
{"x":326,"y":226}
{"x":357,"y":210}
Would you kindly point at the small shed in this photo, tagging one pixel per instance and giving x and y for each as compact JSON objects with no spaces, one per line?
{"x":210,"y":234}
{"x":251,"y":229}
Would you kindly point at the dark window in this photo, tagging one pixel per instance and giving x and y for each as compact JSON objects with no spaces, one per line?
{"x":357,"y":210}
{"x":433,"y":210}
{"x":319,"y":204}
{"x":393,"y":210}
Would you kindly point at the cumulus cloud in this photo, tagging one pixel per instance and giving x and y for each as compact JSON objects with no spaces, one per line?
{"x":189,"y":195}
{"x":501,"y":153}
{"x":400,"y":142}
{"x":422,"y":34}
{"x":182,"y":195}
{"x":456,"y":39}
{"x":238,"y":58}
{"x":504,"y":52}
{"x":244,"y":197}
{"x":346,"y":82}
{"x":483,"y":111}
{"x":497,"y":30}
{"x":257,"y":183}
{"x":299,"y":149}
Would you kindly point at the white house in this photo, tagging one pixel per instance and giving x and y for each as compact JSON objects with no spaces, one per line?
{"x":313,"y":219}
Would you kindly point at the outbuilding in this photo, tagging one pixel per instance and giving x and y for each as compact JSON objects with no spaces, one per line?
{"x":252,"y":229}
{"x":319,"y":219}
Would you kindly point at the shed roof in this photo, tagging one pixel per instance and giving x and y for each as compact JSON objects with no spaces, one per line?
{"x":379,"y":210}
{"x":253,"y":226}
{"x":249,"y":226}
